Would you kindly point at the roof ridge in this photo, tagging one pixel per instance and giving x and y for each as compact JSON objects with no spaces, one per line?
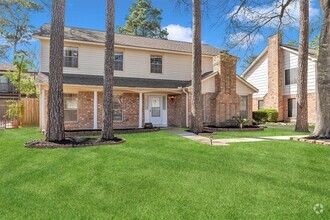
{"x":89,"y":29}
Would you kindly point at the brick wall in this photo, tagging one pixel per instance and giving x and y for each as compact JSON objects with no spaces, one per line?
{"x":311,"y":100}
{"x":176,"y":110}
{"x":274,"y":100}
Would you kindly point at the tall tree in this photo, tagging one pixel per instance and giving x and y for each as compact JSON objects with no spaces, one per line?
{"x":322,"y":128}
{"x":144,"y":20}
{"x":248,"y":61}
{"x":196,"y":102}
{"x":302,"y":106}
{"x":16,"y":28}
{"x":107,"y":126}
{"x":55,"y":127}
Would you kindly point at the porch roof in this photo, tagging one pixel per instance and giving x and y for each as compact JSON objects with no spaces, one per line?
{"x":97,"y":80}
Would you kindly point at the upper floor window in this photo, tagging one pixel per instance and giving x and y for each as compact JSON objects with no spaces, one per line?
{"x":70,"y":107}
{"x":156,"y":64}
{"x":119,"y":61}
{"x":70,"y":58}
{"x":4,"y":84}
{"x":291,"y":76}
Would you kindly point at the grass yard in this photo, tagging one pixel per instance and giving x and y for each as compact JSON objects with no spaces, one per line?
{"x":265,"y":133}
{"x":163,"y":176}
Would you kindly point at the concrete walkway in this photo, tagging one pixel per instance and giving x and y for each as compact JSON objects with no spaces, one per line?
{"x":198,"y":138}
{"x":224,"y":142}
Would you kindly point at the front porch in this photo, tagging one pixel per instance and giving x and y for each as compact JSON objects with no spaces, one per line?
{"x":133,"y":107}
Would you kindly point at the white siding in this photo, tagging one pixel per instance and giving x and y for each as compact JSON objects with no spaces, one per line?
{"x":136,"y":63}
{"x":243,"y":89}
{"x":258,"y":76}
{"x":291,"y":61}
{"x":208,"y":85}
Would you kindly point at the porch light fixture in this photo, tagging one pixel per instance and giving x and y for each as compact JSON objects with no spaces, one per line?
{"x":172,"y":97}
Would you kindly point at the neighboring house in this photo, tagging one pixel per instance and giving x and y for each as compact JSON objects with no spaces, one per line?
{"x":274,"y":73}
{"x":7,"y":90}
{"x":152,"y":82}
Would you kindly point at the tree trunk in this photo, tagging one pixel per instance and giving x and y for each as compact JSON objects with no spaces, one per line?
{"x":302,"y":108}
{"x":196,"y":101}
{"x":322,"y":129}
{"x":55,"y":127}
{"x":107,"y":127}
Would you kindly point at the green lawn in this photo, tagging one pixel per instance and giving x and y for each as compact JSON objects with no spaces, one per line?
{"x":162,"y":176}
{"x":265,"y":133}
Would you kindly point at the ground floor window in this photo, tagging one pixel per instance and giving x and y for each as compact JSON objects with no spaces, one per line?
{"x":260,"y":104}
{"x":292,"y":108}
{"x":70,"y":107}
{"x":117,"y":108}
{"x":243,"y":106}
{"x":203,"y":107}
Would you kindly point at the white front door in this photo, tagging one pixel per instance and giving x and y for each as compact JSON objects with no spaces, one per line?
{"x":155,"y":110}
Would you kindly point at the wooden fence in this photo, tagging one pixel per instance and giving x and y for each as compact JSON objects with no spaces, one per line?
{"x":30,"y":112}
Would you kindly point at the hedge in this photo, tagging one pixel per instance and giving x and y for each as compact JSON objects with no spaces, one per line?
{"x":265,"y":115}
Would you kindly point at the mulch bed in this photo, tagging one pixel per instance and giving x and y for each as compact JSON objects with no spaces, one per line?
{"x":312,"y":140}
{"x":94,"y":132}
{"x":72,"y":143}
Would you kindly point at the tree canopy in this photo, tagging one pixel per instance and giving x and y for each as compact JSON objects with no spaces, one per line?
{"x":144,"y":20}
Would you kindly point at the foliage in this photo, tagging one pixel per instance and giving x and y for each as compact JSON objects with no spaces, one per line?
{"x":240,"y":120}
{"x":15,"y":22}
{"x":20,"y":78}
{"x":265,"y":115}
{"x":144,"y":20}
{"x":14,"y":109}
{"x":248,"y":61}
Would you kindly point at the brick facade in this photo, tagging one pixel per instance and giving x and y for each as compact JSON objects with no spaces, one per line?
{"x":311,"y":100}
{"x":273,"y":99}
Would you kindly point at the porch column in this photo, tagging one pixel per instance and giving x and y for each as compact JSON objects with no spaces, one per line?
{"x":140,"y":109}
{"x":95,"y":110}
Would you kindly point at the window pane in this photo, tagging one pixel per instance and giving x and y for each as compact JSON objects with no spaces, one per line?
{"x":117,"y":108}
{"x":243,"y":106}
{"x":292,"y":108}
{"x":261,"y":104}
{"x":119,"y":58}
{"x":70,"y":107}
{"x":70,"y":55}
{"x":156,"y":64}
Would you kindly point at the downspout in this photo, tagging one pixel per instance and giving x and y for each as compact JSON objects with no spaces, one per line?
{"x":187,"y":105}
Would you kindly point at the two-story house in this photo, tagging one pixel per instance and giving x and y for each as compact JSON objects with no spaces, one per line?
{"x":274,"y":73}
{"x":152,"y":81}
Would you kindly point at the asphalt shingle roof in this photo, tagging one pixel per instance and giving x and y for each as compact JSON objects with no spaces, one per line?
{"x":86,"y":35}
{"x":97,"y":80}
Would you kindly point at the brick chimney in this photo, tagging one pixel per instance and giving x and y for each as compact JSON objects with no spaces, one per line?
{"x":274,"y":97}
{"x":226,"y":100}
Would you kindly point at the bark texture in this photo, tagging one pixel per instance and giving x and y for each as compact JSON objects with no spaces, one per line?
{"x":196,"y":102}
{"x":302,"y":108}
{"x":107,"y":126}
{"x":322,"y":128}
{"x":55,"y":127}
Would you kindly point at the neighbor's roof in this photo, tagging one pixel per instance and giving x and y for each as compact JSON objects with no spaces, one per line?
{"x":311,"y":52}
{"x":93,"y":36}
{"x":6,"y":67}
{"x":97,"y":80}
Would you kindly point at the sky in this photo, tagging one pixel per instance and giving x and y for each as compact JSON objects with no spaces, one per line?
{"x":91,"y":14}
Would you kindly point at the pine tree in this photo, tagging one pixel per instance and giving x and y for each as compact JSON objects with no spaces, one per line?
{"x":144,"y":20}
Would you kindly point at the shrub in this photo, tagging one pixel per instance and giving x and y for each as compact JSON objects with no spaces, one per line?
{"x":265,"y":115}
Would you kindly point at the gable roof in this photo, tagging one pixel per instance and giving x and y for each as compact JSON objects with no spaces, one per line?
{"x":311,"y":52}
{"x":93,"y":36}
